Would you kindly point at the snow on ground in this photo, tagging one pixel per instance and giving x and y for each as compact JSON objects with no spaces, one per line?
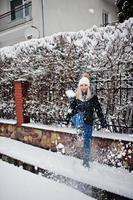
{"x":116,"y":180}
{"x":18,"y":184}
{"x":8,"y":121}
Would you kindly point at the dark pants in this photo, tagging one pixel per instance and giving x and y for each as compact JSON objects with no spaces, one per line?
{"x":87,"y":137}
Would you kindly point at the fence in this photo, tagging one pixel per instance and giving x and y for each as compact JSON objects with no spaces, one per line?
{"x":7,"y":101}
{"x":114,"y":95}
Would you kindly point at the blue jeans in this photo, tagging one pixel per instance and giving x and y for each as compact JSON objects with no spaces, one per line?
{"x":87,"y":137}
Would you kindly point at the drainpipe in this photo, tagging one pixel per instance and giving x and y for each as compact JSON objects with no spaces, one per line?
{"x":42,"y":2}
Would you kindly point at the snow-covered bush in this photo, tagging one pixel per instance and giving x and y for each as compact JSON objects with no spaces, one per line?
{"x":54,"y":64}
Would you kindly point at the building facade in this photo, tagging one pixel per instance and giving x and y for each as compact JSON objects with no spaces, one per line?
{"x":21,"y":20}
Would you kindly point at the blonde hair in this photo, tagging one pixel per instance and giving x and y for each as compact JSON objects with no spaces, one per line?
{"x":79,"y":96}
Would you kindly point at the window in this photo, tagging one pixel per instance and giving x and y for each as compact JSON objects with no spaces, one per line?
{"x":105,"y":18}
{"x":19,"y":9}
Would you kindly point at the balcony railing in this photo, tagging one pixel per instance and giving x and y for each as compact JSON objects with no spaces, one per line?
{"x":15,"y":17}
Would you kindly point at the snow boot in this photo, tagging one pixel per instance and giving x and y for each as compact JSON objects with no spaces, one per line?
{"x":86,"y":164}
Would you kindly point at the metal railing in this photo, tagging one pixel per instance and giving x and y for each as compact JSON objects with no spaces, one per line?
{"x":19,"y":15}
{"x":115,"y":96}
{"x":118,"y":102}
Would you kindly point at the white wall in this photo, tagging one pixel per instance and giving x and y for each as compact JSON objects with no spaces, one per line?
{"x":37,"y":15}
{"x":74,"y":15}
{"x":14,"y":35}
{"x":109,"y":6}
{"x":4,"y":6}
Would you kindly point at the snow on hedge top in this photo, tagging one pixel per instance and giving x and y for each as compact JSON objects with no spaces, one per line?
{"x":89,"y":37}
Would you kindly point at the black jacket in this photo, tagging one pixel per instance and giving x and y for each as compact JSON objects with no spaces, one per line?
{"x":87,"y":107}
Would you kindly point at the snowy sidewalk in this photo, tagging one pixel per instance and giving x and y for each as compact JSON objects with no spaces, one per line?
{"x":19,"y":184}
{"x":115,"y":180}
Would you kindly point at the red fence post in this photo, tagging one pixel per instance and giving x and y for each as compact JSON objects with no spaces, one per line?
{"x":21,"y":87}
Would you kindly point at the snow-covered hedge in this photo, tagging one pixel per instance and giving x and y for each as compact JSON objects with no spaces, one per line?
{"x":54,"y":64}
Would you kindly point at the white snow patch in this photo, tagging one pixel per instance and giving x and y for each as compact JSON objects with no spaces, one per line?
{"x":8,"y":121}
{"x":18,"y":184}
{"x":51,"y":127}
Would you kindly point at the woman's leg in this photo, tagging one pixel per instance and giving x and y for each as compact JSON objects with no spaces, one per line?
{"x":87,"y":134}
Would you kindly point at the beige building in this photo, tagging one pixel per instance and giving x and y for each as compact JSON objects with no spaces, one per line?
{"x":22,"y":19}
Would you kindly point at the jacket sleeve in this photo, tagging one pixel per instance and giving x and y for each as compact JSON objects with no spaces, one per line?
{"x":99,"y":112}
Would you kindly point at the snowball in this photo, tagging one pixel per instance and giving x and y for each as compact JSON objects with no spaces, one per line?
{"x":70,"y":93}
{"x":60,"y":148}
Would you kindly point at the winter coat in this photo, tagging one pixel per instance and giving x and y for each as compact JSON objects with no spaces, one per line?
{"x":87,"y":108}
